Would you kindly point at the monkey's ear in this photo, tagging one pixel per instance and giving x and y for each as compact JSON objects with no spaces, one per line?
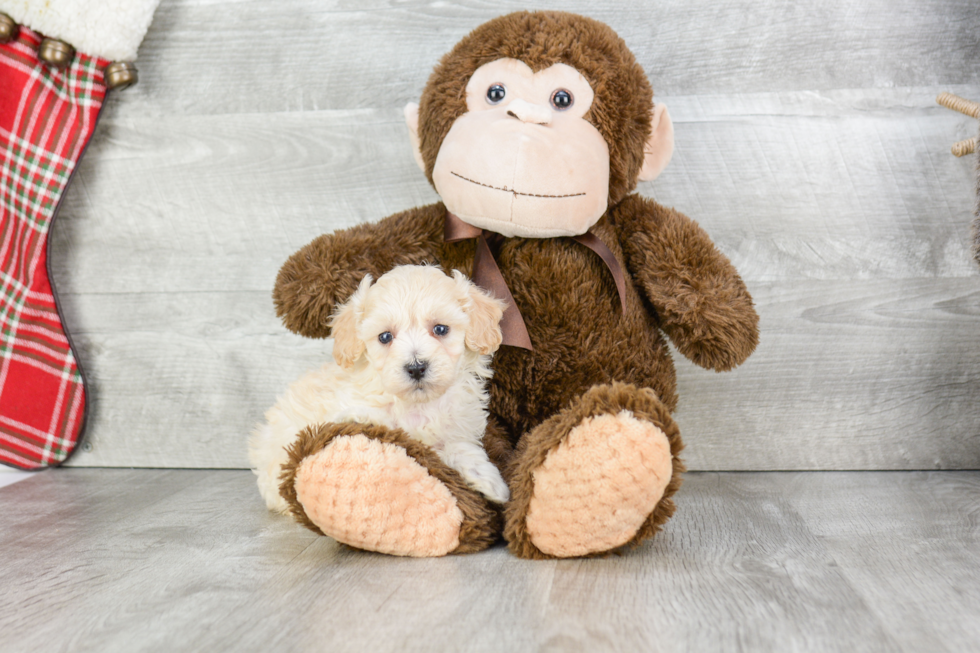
{"x":347,"y":347}
{"x":660,"y":146}
{"x":412,"y":120}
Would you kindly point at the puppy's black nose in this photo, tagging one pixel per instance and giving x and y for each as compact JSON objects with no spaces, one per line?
{"x":416,"y":369}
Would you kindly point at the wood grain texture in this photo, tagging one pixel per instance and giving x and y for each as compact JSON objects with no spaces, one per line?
{"x":790,"y":185}
{"x":303,"y":55}
{"x":844,"y":379}
{"x":809,"y":145}
{"x":897,"y":554}
{"x":124,"y":560}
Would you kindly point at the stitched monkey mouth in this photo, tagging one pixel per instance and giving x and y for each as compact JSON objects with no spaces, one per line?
{"x":512,"y":191}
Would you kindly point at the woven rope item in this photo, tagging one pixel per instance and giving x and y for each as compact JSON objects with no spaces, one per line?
{"x":967,"y":107}
{"x":976,"y":220}
{"x":964,"y":147}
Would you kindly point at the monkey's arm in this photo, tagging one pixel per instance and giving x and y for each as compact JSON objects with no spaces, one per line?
{"x":702,"y":303}
{"x":326,"y":272}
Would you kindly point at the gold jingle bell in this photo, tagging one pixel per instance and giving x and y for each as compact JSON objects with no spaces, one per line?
{"x":120,"y":75}
{"x":8,"y":28}
{"x":57,"y":54}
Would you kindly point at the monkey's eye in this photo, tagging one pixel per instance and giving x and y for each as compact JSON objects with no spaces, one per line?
{"x":496,"y":93}
{"x":440,"y":330}
{"x":561,"y":99}
{"x":385,"y":338}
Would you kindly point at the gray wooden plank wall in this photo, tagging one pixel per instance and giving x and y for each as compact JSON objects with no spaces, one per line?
{"x":808,"y":144}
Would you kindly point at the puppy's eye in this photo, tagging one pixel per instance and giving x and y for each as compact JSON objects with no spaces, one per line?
{"x":496,"y":93}
{"x":385,"y":338}
{"x":440,"y":330}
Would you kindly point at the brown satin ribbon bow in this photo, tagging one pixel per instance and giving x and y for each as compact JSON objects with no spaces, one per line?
{"x":486,"y":273}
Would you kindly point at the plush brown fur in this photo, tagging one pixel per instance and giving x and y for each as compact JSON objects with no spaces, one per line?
{"x":559,"y":286}
{"x":658,"y":243}
{"x":677,"y":282}
{"x":532,"y":451}
{"x":623,"y":96}
{"x":498,"y":447}
{"x":481,"y":521}
{"x":326,"y":272}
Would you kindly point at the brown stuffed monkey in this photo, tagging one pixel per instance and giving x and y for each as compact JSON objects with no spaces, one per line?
{"x":534,"y":130}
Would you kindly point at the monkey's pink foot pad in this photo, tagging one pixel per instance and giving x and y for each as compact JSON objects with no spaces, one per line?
{"x":594,"y":491}
{"x":374,"y":496}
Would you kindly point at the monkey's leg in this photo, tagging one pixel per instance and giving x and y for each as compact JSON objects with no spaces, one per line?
{"x":594,"y":477}
{"x":377,"y":489}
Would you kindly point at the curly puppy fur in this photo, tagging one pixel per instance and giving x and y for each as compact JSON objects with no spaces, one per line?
{"x":430,"y":385}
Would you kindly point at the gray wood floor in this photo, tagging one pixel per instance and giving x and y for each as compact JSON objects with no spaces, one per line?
{"x":168,"y":560}
{"x":809,"y":145}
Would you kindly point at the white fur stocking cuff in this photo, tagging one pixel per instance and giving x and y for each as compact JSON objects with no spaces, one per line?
{"x":112,"y":29}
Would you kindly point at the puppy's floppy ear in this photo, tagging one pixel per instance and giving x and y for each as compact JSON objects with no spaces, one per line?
{"x":483,"y":334}
{"x":347,"y":347}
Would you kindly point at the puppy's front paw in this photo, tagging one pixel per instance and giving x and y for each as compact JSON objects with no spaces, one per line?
{"x":472,"y":463}
{"x":486,"y":480}
{"x":497,"y":491}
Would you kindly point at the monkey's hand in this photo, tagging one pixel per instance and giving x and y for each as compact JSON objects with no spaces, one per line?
{"x":324,"y":273}
{"x":702,"y":304}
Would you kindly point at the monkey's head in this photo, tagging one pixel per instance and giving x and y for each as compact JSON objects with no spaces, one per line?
{"x":536,"y":123}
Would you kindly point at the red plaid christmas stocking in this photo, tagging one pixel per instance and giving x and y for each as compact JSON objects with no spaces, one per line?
{"x":46,"y":118}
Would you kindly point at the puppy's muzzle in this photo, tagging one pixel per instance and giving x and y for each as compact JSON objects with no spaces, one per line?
{"x":416,"y":369}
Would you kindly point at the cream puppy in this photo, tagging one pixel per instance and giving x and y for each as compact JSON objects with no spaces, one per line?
{"x":411,"y":351}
